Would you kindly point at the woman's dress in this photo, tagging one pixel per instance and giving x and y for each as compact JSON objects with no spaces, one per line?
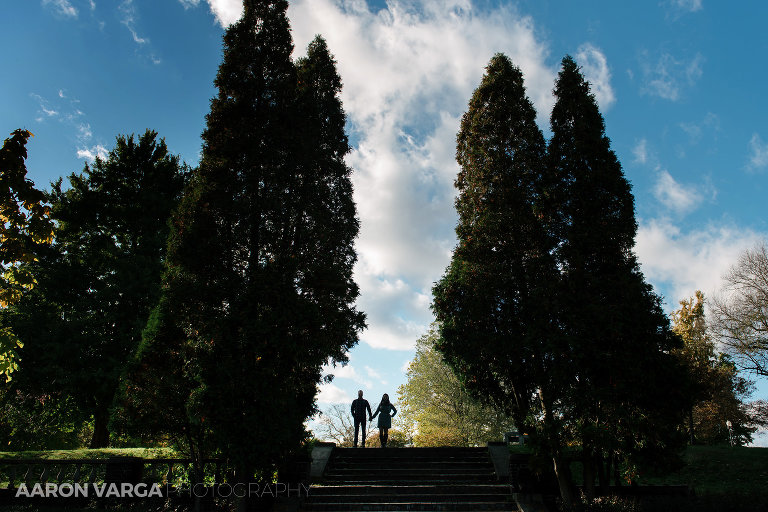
{"x":385,"y":417}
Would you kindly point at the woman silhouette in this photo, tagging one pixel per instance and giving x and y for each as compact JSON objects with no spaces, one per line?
{"x":385,"y":420}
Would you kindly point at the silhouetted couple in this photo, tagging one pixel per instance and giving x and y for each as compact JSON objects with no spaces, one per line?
{"x":384,"y":411}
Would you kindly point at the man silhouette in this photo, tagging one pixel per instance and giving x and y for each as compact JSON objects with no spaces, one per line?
{"x":358,"y":413}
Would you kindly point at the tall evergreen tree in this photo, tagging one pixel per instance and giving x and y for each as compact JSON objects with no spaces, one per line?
{"x":258,"y":291}
{"x":496,"y":302}
{"x":627,"y":387}
{"x":99,"y":282}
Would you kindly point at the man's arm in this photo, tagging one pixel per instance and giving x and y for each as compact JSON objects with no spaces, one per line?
{"x":369,"y":408}
{"x":352,"y":408}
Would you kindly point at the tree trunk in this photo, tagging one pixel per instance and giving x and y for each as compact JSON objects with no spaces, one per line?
{"x":565,"y":481}
{"x":561,"y":465}
{"x":604,"y":473}
{"x":588,"y":461}
{"x":690,"y":426}
{"x":100,"y":437}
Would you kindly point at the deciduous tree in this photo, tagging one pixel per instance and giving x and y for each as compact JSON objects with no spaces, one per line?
{"x":26,"y":226}
{"x":741,"y":313}
{"x":98,"y":283}
{"x":721,"y":390}
{"x":438,"y":410}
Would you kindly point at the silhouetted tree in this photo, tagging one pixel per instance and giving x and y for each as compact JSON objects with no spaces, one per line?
{"x":628,"y":393}
{"x":496,"y":303}
{"x":258,"y":290}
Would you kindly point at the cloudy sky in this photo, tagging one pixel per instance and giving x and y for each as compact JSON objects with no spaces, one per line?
{"x":680,"y":83}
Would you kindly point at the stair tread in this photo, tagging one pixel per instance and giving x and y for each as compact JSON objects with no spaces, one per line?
{"x":419,"y":479}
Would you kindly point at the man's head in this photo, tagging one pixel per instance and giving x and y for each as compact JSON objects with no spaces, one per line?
{"x":360,"y":393}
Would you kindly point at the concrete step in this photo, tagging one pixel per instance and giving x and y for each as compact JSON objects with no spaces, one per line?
{"x":402,"y":464}
{"x":435,"y":480}
{"x":419,"y":479}
{"x":409,"y":498}
{"x":421,"y":506}
{"x":422,"y":490}
{"x":410,"y":453}
{"x":445,"y":470}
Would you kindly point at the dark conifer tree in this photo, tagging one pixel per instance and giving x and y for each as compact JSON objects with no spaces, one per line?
{"x":496,"y":302}
{"x":258,"y":291}
{"x":619,"y":336}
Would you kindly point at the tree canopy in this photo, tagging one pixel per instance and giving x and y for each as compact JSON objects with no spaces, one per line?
{"x":100,"y":279}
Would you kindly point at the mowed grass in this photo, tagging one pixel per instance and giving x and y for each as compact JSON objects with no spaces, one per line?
{"x":101,"y":453}
{"x":721,"y":470}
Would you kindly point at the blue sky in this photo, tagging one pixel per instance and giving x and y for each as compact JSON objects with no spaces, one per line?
{"x":680,"y":83}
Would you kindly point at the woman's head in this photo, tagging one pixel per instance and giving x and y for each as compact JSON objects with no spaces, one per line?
{"x":385,"y":399}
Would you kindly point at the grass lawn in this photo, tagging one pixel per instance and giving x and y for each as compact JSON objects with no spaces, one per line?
{"x":721,"y":470}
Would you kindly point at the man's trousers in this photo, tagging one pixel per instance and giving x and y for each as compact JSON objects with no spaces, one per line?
{"x":359,"y":423}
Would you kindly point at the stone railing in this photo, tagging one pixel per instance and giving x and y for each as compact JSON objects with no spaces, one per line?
{"x":174,"y":472}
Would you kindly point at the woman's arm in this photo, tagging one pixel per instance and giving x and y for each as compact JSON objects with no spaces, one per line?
{"x":378,"y":409}
{"x":394,"y":411}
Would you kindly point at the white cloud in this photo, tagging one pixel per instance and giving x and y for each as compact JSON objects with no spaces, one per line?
{"x":225,"y":11}
{"x":693,"y":260}
{"x":92,"y":4}
{"x":594,"y":65}
{"x":189,"y":3}
{"x":63,"y":7}
{"x":669,"y":75}
{"x":84,"y":132}
{"x":375,"y":375}
{"x":408,"y":72}
{"x":65,"y":109}
{"x":675,"y":196}
{"x":331,"y":394}
{"x":696,"y":130}
{"x":758,"y":158}
{"x":45,"y":109}
{"x":347,"y":372}
{"x":91,"y":153}
{"x":641,"y":151}
{"x":128,"y":11}
{"x":686,"y":5}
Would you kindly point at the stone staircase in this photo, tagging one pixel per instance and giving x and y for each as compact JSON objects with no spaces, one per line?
{"x":376,"y":479}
